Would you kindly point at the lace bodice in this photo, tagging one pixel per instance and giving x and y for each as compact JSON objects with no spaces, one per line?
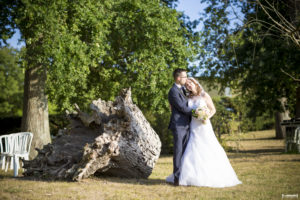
{"x":196,"y":101}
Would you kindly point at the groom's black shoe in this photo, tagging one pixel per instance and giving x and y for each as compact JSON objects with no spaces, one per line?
{"x":176,"y":182}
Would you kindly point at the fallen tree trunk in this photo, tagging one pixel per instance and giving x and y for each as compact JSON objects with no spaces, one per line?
{"x":115,"y":140}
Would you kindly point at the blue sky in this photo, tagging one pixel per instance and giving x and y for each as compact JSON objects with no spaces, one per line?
{"x":14,"y":40}
{"x":191,"y":8}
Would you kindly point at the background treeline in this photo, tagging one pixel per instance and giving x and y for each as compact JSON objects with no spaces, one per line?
{"x":232,"y":114}
{"x":76,"y":51}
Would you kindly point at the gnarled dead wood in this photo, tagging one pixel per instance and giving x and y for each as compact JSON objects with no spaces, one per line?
{"x":115,"y":140}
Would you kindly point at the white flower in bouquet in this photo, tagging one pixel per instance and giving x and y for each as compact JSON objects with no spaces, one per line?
{"x":201,"y":113}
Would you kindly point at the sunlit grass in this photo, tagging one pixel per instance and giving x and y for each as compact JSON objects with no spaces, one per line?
{"x":266,"y":173}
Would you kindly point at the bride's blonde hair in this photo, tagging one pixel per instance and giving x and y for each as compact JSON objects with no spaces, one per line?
{"x":199,"y":89}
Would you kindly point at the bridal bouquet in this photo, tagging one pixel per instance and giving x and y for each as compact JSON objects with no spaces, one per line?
{"x":201,"y":113}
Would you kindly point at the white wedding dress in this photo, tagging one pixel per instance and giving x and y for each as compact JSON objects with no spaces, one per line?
{"x":204,"y":162}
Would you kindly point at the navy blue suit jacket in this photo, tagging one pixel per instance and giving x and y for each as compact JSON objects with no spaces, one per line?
{"x":181,"y":113}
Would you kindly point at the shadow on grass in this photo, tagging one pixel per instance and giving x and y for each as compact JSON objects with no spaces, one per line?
{"x":133,"y":181}
{"x":252,"y":139}
{"x":259,"y":152}
{"x":256,"y":153}
{"x":253,"y":153}
{"x":31,"y":178}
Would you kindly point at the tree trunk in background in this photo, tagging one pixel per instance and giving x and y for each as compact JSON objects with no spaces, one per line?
{"x":279,"y":117}
{"x":35,"y":109}
{"x":279,"y":130}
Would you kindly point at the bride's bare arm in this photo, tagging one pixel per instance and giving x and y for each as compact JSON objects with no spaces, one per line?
{"x":210,"y":105}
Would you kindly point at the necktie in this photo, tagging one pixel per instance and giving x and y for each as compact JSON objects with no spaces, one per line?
{"x":183,"y":90}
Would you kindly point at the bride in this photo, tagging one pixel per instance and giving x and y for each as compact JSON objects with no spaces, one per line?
{"x":204,"y":162}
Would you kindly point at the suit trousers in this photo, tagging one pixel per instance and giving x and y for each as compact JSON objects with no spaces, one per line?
{"x":180,"y":140}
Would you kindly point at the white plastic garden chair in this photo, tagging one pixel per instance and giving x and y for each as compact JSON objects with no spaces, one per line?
{"x":6,"y":148}
{"x":15,"y":146}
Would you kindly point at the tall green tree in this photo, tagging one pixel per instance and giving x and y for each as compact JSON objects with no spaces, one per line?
{"x":248,"y":56}
{"x":80,"y":50}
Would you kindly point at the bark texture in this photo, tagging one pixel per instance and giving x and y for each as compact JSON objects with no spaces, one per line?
{"x":279,"y":117}
{"x":116,"y":140}
{"x":35,"y":109}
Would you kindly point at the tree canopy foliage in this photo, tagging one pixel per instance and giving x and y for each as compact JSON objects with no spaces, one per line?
{"x":11,"y":83}
{"x":248,"y":55}
{"x":92,"y":49}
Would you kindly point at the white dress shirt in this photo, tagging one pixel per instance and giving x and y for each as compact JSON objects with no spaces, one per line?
{"x":178,"y":85}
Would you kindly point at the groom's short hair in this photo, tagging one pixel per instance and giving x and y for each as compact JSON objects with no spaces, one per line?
{"x":177,"y":72}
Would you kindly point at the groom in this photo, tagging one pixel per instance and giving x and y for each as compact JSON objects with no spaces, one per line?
{"x":180,"y":119}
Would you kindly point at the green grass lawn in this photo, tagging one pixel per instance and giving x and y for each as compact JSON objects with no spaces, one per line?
{"x":266,"y":173}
